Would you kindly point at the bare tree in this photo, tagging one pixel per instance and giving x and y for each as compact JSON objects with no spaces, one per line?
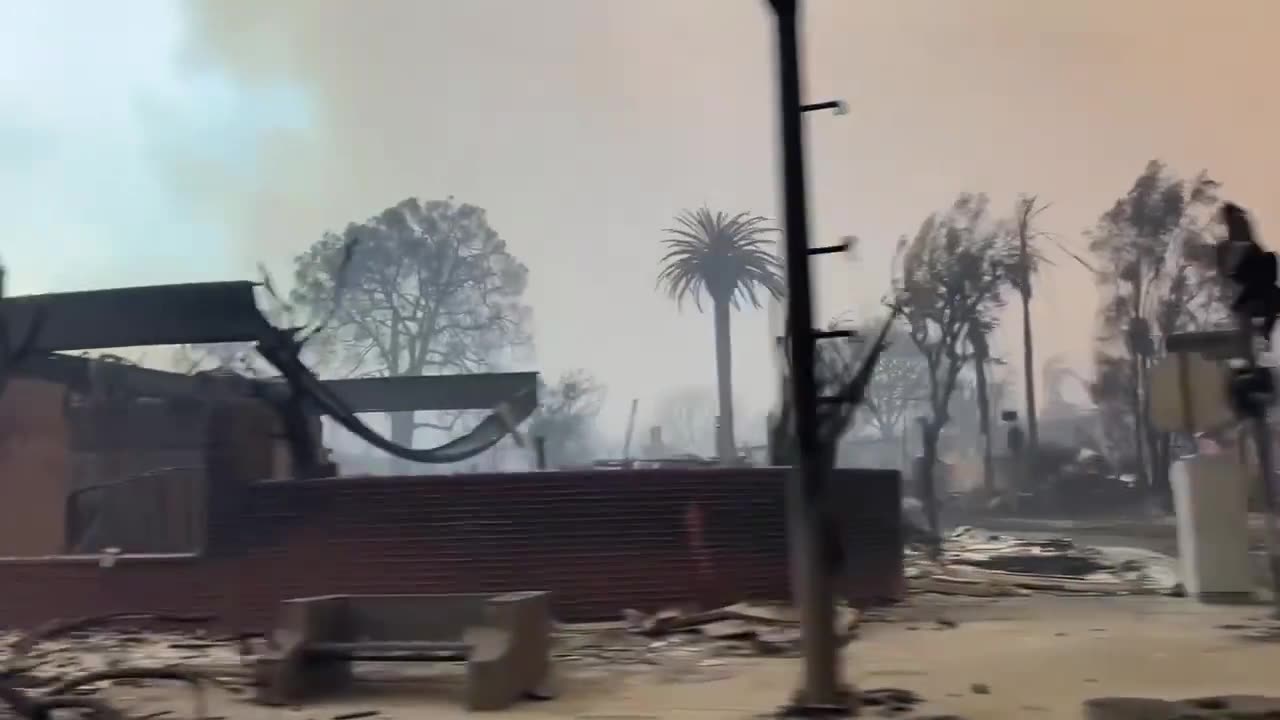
{"x":896,"y":386}
{"x":687,"y":417}
{"x":1153,"y":269}
{"x":566,"y":415}
{"x":843,"y":368}
{"x":954,"y":272}
{"x":423,"y":287}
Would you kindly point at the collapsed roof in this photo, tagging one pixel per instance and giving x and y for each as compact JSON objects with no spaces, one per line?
{"x":225,"y":312}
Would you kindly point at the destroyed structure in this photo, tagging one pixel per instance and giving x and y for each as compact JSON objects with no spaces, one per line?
{"x":125,"y":455}
{"x":213,"y":492}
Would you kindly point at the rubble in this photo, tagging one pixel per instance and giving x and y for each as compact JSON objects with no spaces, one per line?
{"x":748,"y":622}
{"x":738,"y":620}
{"x":90,"y":652}
{"x":680,"y":646}
{"x":1237,"y":707}
{"x":692,"y":645}
{"x":979,"y":564}
{"x":896,"y":703}
{"x":65,"y":665}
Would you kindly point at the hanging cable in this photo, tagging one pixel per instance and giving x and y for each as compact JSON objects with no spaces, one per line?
{"x":282,"y":350}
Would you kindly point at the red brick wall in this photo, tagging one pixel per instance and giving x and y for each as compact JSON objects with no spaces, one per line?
{"x":600,"y":541}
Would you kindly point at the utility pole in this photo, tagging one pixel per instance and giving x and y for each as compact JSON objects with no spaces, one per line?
{"x":822,"y":691}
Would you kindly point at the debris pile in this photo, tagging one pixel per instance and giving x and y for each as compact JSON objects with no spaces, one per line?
{"x":680,"y":641}
{"x":981,"y":564}
{"x":89,"y":652}
{"x":1226,"y":707}
{"x":67,"y":665}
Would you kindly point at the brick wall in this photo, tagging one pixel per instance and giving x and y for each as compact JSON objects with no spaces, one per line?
{"x":34,"y":467}
{"x":600,"y":541}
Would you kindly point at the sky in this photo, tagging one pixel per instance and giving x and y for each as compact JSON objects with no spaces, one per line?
{"x":184,"y":140}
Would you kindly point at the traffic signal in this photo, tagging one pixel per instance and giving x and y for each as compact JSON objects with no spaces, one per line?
{"x":1253,"y":271}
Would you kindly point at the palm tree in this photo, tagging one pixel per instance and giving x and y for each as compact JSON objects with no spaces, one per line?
{"x":729,"y":259}
{"x":981,"y":348}
{"x":1028,"y":208}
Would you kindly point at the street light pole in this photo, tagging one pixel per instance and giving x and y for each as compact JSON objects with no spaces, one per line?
{"x":811,"y":579}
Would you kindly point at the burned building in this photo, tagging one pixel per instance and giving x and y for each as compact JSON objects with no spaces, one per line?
{"x":99,"y":453}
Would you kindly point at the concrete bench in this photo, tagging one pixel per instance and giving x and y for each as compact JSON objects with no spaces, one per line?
{"x":505,"y":641}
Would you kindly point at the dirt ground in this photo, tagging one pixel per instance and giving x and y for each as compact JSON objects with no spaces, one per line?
{"x":1032,"y":657}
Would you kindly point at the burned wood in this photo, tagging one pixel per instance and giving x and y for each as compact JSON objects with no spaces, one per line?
{"x":61,"y":694}
{"x":40,"y":708}
{"x":57,"y":628}
{"x":196,"y":680}
{"x":100,"y":709}
{"x":186,"y":314}
{"x":16,"y":699}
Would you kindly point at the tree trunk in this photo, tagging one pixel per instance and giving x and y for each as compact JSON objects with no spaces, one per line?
{"x":1139,"y":424}
{"x":1161,"y":457}
{"x":984,"y":422}
{"x":1029,"y":371}
{"x":402,"y":428}
{"x":1136,"y":343}
{"x":726,"y":448}
{"x":1157,"y":450}
{"x":930,"y":431}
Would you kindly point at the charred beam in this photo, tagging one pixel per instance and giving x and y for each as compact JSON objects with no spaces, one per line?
{"x":432,"y":392}
{"x":481,"y":391}
{"x":192,"y":313}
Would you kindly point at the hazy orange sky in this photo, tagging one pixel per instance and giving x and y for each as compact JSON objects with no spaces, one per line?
{"x":584,"y":125}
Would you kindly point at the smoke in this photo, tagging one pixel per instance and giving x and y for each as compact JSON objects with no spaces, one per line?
{"x":520,"y":107}
{"x":584,"y":125}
